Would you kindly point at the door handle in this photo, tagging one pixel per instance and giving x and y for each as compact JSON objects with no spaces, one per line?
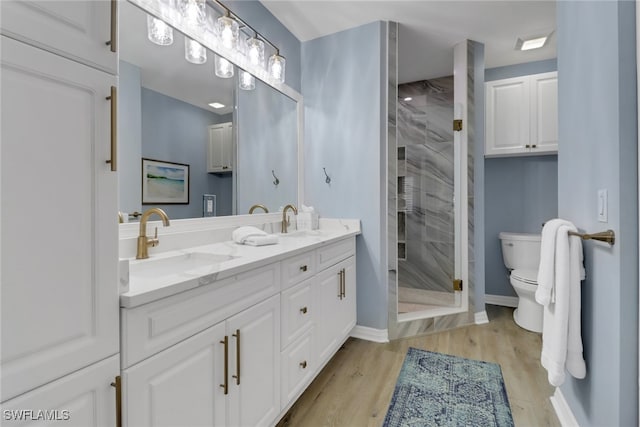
{"x":114,"y":128}
{"x":114,"y":27}
{"x":237,"y":375}
{"x":225,"y":385}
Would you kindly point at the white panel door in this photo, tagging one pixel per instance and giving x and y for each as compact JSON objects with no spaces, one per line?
{"x":327,"y":314}
{"x":507,"y":116}
{"x":347,"y":311}
{"x":59,"y":226}
{"x":82,"y":399}
{"x":254,"y":390}
{"x":179,"y":386}
{"x":76,"y":29}
{"x":544,"y":113}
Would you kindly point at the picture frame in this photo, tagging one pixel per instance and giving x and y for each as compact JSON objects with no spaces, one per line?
{"x":164,"y":183}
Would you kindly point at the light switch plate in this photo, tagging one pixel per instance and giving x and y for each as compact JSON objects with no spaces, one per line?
{"x":603,"y":207}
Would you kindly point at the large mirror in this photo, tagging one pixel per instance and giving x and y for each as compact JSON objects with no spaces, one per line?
{"x":244,"y":152}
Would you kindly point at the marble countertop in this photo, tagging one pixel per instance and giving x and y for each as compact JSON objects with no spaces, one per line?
{"x":171,"y":272}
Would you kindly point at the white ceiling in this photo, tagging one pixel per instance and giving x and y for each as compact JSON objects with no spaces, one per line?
{"x":429,"y":29}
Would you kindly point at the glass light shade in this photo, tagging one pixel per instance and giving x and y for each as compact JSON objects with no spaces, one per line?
{"x":194,"y":52}
{"x":159,"y":32}
{"x":228,"y":32}
{"x":193,"y":12}
{"x":247,"y":81}
{"x":223,"y":67}
{"x":255,"y":51}
{"x":277,"y":67}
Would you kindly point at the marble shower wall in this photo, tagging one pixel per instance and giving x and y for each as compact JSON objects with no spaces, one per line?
{"x":426,"y":185}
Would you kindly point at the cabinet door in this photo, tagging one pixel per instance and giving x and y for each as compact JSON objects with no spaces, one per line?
{"x":78,"y":30}
{"x":254,"y":390}
{"x":544,"y":113}
{"x":83,"y":399}
{"x":179,"y":386}
{"x":59,"y":309}
{"x":220,"y":148}
{"x":336,"y":314}
{"x":507,"y":116}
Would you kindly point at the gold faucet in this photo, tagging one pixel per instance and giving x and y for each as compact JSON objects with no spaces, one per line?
{"x":254,"y":207}
{"x":143,"y":241}
{"x":285,"y":220}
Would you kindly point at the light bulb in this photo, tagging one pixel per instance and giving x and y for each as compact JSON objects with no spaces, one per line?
{"x":228,"y":32}
{"x":277,"y":67}
{"x":193,"y":11}
{"x":223,"y":68}
{"x":159,"y":32}
{"x":255,"y":51}
{"x":194,"y":52}
{"x":247,"y":81}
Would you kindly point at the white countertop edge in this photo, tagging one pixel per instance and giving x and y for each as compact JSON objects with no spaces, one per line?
{"x":343,"y":228}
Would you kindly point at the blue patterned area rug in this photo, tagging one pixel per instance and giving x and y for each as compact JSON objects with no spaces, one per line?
{"x":435,"y":389}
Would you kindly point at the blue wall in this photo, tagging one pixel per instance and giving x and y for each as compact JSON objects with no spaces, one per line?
{"x":344,"y":122}
{"x":175,"y":131}
{"x":598,"y":119}
{"x":520,"y":192}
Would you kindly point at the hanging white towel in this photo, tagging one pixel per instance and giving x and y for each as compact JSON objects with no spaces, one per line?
{"x":561,"y":335}
{"x":249,"y":235}
{"x":546,"y":271}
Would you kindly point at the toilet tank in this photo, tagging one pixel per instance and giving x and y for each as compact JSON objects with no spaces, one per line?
{"x":520,"y":250}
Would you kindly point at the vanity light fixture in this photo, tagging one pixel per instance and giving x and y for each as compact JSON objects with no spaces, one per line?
{"x":228,"y":31}
{"x":223,"y":68}
{"x":531,"y":43}
{"x":247,"y":81}
{"x":216,"y":105}
{"x":193,"y":11}
{"x":158,"y":32}
{"x":277,"y":66}
{"x":194,"y":52}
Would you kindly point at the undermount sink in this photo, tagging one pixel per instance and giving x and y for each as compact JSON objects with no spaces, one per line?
{"x":177,"y":264}
{"x":303,"y":233}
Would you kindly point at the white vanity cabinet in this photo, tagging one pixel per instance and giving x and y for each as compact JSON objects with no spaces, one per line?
{"x":522,"y":115}
{"x":59,"y":309}
{"x":220,"y":148}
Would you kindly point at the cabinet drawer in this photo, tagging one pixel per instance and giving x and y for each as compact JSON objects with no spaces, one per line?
{"x":335,"y":253}
{"x":298,"y":366}
{"x":155,"y":326}
{"x":297,"y":269}
{"x":297,"y":311}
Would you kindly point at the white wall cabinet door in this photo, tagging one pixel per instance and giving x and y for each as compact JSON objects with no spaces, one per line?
{"x":336,"y":315}
{"x":59,"y":227}
{"x":507,"y":116}
{"x":544,"y":113}
{"x":220,"y":157}
{"x":179,"y":386}
{"x":78,"y":30}
{"x":254,"y":389}
{"x":82,"y":399}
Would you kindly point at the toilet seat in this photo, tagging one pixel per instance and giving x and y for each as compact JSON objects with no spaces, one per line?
{"x":526,"y":276}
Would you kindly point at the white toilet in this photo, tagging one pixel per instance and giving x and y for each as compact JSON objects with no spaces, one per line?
{"x":521,"y":255}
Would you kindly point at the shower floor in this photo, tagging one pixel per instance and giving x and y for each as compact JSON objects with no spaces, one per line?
{"x":411,"y":300}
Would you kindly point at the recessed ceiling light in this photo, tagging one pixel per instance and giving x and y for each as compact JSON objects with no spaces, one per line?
{"x":408,"y":98}
{"x":531,"y":43}
{"x":216,"y":105}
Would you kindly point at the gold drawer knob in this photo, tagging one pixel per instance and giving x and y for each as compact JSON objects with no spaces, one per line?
{"x":303,"y":364}
{"x":303,"y":310}
{"x":303,"y":268}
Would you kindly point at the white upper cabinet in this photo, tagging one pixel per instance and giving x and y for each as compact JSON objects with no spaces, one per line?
{"x":522,"y":115}
{"x":59,"y":308}
{"x":78,"y":30}
{"x":220,"y":153}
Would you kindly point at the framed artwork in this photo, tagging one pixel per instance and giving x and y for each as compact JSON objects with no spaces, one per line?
{"x":164,"y":183}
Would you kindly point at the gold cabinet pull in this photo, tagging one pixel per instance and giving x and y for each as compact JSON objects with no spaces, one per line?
{"x":114,"y":128}
{"x":303,"y":364}
{"x":237,"y":375}
{"x":344,"y":283}
{"x":340,"y":284}
{"x":225,"y":386}
{"x":303,"y":310}
{"x":117,"y":384}
{"x":527,"y":146}
{"x":533,"y":146}
{"x":303,"y":268}
{"x":114,"y":27}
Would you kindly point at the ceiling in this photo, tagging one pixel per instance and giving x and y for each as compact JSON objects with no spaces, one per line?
{"x":429,"y":29}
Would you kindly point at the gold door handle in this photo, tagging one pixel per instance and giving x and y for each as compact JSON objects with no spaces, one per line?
{"x":114,"y":27}
{"x":340,"y":284}
{"x":237,"y":375}
{"x":225,"y":386}
{"x":303,"y":268}
{"x":117,"y":384}
{"x":344,"y":283}
{"x":303,"y":310}
{"x":303,"y":364}
{"x":114,"y":128}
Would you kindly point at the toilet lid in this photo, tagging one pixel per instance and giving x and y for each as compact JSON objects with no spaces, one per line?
{"x":527,"y":276}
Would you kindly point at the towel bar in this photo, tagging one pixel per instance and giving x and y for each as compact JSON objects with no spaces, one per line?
{"x":604,"y":236}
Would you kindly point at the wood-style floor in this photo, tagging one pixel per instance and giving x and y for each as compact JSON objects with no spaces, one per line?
{"x":355,"y":387}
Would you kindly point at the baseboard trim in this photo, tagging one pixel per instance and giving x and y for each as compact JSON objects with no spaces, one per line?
{"x":481,"y":317}
{"x":563,"y":410}
{"x":370,"y":334}
{"x":501,"y":300}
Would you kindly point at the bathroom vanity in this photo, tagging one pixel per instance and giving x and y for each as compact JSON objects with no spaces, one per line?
{"x":227,"y":334}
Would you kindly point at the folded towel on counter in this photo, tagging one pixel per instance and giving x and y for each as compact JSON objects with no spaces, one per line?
{"x":253,"y":236}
